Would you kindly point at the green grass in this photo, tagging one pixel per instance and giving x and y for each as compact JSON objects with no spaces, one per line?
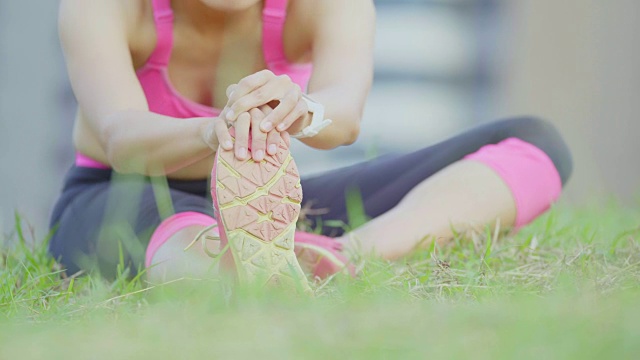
{"x":565,"y":287}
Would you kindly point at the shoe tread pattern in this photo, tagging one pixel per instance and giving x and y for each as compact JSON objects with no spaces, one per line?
{"x":259,"y":205}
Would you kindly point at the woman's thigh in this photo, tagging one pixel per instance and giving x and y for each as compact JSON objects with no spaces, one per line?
{"x":383,"y":182}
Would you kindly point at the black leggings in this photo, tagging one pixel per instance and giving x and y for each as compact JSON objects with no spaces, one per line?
{"x":382,"y":189}
{"x":97,"y":216}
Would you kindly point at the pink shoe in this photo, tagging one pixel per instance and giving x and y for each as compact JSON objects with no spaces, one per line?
{"x":321,"y":255}
{"x":257,"y":205}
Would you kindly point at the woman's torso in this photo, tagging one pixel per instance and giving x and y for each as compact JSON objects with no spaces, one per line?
{"x":201,"y":64}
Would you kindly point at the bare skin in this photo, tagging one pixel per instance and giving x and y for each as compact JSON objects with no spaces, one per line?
{"x":114,"y":124}
{"x":172,"y":261}
{"x":465,"y":195}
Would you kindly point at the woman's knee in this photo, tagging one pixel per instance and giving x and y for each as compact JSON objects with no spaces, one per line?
{"x":174,"y":225}
{"x":543,"y":135}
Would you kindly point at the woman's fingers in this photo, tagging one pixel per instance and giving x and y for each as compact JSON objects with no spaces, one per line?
{"x":258,"y":138}
{"x":245,"y":87}
{"x":273,"y":139}
{"x":286,"y":137}
{"x":260,"y":89}
{"x":217,"y":134}
{"x":300,"y":110}
{"x":273,"y":136}
{"x":266,"y":110}
{"x":223,"y":114}
{"x":290,"y":102}
{"x":231,"y":89}
{"x":276,"y":88}
{"x":222,"y":133}
{"x":256,"y":98}
{"x":242,"y":126}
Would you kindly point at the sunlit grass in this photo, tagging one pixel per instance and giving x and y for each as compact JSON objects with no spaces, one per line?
{"x":565,"y":287}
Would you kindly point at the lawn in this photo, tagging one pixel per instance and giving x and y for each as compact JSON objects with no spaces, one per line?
{"x":565,"y":287}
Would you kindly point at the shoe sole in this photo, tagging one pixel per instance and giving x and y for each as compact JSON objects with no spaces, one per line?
{"x":259,"y":204}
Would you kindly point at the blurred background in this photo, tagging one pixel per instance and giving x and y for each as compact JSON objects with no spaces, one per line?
{"x":441,"y":66}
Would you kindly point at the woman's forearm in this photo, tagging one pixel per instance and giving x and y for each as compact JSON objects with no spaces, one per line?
{"x":345,"y":111}
{"x":151,"y":144}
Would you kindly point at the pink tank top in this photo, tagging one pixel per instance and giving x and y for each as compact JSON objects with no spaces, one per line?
{"x":163,"y":98}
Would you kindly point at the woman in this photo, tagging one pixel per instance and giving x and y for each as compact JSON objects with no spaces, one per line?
{"x":176,"y":88}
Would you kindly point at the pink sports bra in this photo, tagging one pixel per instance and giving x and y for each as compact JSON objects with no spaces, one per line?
{"x":163,"y":98}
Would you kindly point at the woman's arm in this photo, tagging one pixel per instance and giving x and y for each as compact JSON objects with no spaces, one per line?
{"x":342,"y":68}
{"x":342,"y":76}
{"x":94,"y":36}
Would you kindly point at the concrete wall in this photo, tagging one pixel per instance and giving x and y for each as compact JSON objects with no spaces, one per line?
{"x":31,"y":117}
{"x":577,"y":62}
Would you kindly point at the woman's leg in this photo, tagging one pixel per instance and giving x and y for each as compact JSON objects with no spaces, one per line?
{"x":423,"y":193}
{"x":464,"y":195}
{"x":176,"y":251}
{"x":105,"y":220}
{"x":172,"y":261}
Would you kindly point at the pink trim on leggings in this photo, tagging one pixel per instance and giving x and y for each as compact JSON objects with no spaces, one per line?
{"x":529,"y":173}
{"x":172,"y":225}
{"x":83,"y":160}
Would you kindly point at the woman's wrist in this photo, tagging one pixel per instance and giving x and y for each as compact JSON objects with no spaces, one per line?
{"x":214,"y":133}
{"x":207,"y":132}
{"x":300,"y":124}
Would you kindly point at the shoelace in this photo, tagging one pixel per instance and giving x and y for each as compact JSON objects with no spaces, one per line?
{"x":204,"y":244}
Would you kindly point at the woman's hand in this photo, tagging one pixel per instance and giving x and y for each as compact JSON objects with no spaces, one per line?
{"x":261,"y":142}
{"x":217,"y":133}
{"x":264,"y":88}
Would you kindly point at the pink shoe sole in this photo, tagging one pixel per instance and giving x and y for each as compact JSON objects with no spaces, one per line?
{"x":257,"y":204}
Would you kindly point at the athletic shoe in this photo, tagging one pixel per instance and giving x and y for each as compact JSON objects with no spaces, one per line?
{"x":257,"y":205}
{"x":321,"y":255}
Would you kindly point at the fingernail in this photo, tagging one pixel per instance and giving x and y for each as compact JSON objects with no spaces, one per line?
{"x":242,"y":153}
{"x":259,"y":155}
{"x":228,"y":145}
{"x":267,"y":126}
{"x":281,"y":127}
{"x":230,"y":115}
{"x":272,"y":149}
{"x":231,"y":94}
